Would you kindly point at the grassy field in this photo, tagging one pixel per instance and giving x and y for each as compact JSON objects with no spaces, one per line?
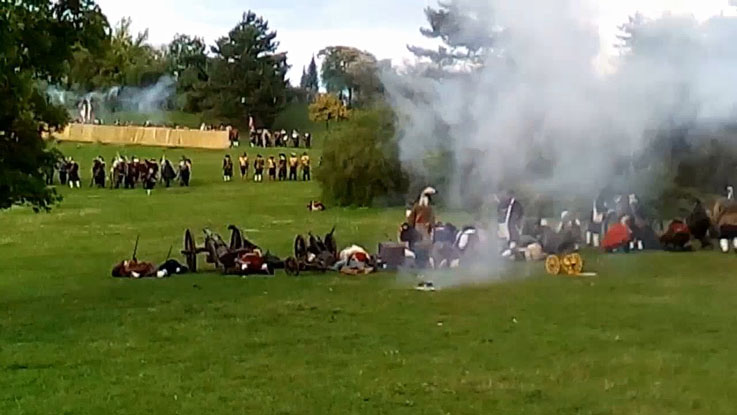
{"x":651,"y":334}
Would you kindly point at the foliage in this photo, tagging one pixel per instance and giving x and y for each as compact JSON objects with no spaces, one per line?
{"x":189,"y":64}
{"x":360,"y":162}
{"x":247,"y":76}
{"x":312,"y":83}
{"x":466,"y":37}
{"x":124,"y":59}
{"x":327,"y":108}
{"x":350,"y":73}
{"x":309,"y":82}
{"x":36,"y":43}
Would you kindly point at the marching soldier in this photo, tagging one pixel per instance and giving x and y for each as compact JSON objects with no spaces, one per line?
{"x":185,"y":171}
{"x":74,"y":179}
{"x":282,"y":167}
{"x":98,"y":172}
{"x":305,"y":162}
{"x":150,"y":175}
{"x":258,"y":168}
{"x":271,"y":163}
{"x":167,"y":171}
{"x":227,"y":168}
{"x":243,"y":163}
{"x":293,"y":164}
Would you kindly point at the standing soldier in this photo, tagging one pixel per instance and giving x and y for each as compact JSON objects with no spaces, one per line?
{"x":295,"y":139}
{"x":98,"y":172}
{"x":150,"y":175}
{"x":63,"y":171}
{"x":185,"y":171}
{"x":167,"y":171}
{"x":74,"y":179}
{"x":308,"y":140}
{"x":271,"y":163}
{"x":243,"y":164}
{"x":293,"y":163}
{"x":227,"y":168}
{"x":258,"y":169}
{"x":282,"y":167}
{"x":305,"y":162}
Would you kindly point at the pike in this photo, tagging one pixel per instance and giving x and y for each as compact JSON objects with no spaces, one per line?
{"x":135,"y":249}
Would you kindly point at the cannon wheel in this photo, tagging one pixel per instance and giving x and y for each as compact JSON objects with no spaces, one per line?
{"x":576,"y":264}
{"x":291,"y":266}
{"x":552,"y":265}
{"x":300,"y":247}
{"x":190,"y":251}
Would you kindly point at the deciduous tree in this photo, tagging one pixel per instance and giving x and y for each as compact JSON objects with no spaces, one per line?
{"x":36,"y":44}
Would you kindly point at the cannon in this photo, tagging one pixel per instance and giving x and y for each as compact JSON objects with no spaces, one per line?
{"x":565,"y":264}
{"x":319,"y":255}
{"x":239,"y":257}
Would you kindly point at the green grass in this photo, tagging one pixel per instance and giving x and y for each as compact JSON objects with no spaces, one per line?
{"x":652,"y":334}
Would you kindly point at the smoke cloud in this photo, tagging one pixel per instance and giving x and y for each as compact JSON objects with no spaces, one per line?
{"x":142,"y":101}
{"x":538,"y":95}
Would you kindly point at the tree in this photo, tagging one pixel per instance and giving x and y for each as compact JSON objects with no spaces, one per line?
{"x":188,"y":62}
{"x":360,"y":164}
{"x":312,"y":83}
{"x":327,"y":108}
{"x":350,"y":71}
{"x":247,"y":75}
{"x":36,"y":43}
{"x":124,"y":59}
{"x":466,"y":37}
{"x":303,"y":79}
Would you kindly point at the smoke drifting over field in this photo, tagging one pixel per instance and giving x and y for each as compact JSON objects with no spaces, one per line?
{"x":537,"y":94}
{"x":147,"y":101}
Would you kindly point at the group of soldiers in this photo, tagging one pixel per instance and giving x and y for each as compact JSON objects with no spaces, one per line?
{"x":126,"y":173}
{"x":282,"y":169}
{"x":68,"y":173}
{"x":265,"y":138}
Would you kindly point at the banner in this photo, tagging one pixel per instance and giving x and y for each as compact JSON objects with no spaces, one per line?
{"x":145,"y":136}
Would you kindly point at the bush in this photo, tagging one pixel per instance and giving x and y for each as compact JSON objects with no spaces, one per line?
{"x":360,"y":164}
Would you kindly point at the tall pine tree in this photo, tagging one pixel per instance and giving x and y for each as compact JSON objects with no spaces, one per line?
{"x":312,"y":82}
{"x":247,"y":75}
{"x":303,"y":79}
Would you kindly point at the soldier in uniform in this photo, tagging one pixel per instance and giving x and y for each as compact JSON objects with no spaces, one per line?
{"x":131,"y":174}
{"x":185,"y":171}
{"x":227,"y":168}
{"x":167,"y":172}
{"x":63,"y":172}
{"x":293,"y":164}
{"x":305,"y":162}
{"x":98,"y":172}
{"x":258,"y":169}
{"x":271,"y":164}
{"x":308,"y":140}
{"x":282,"y":167}
{"x":150,"y":175}
{"x":243,"y":164}
{"x":73,"y":168}
{"x":295,"y":138}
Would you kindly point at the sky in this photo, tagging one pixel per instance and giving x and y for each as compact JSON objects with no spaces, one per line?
{"x":382,"y":27}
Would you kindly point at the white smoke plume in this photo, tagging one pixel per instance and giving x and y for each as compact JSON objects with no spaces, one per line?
{"x":147,"y":101}
{"x":540,"y":93}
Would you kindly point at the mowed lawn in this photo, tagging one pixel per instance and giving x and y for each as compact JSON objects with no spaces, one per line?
{"x":651,"y":334}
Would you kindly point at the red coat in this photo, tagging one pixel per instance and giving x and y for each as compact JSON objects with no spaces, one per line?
{"x":618,"y":236}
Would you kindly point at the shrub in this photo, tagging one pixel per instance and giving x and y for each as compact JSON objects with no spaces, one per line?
{"x":360,"y":163}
